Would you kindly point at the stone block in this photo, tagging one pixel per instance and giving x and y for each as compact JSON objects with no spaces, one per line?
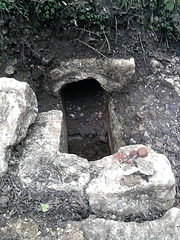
{"x":112,"y":74}
{"x":166,"y":227}
{"x":18,"y":110}
{"x":128,"y":186}
{"x":43,"y":166}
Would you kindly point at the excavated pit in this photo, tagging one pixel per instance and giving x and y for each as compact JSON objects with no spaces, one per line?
{"x":85,"y":107}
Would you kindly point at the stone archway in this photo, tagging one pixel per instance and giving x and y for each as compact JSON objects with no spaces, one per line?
{"x":112,"y":74}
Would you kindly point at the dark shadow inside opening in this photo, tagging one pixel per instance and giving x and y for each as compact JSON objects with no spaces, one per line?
{"x":85,"y":104}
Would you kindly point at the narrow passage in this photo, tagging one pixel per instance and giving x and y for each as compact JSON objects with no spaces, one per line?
{"x":85,"y":104}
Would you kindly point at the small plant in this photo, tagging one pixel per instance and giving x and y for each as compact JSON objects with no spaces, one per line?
{"x":161,"y":15}
{"x":6,"y":5}
{"x":169,"y":4}
{"x":46,"y":9}
{"x":84,"y":13}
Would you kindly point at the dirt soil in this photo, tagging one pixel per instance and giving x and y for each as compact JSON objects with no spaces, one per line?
{"x":149,"y":106}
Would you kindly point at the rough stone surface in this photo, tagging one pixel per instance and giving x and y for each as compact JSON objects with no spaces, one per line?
{"x":91,"y":229}
{"x":43,"y":166}
{"x":41,"y":172}
{"x":175,"y":81}
{"x":131,"y":186}
{"x":47,"y":134}
{"x":27,"y":228}
{"x":172,"y":75}
{"x":20,"y":229}
{"x":116,"y":127}
{"x":166,"y":228}
{"x":112,"y":74}
{"x":9,"y":70}
{"x":18,"y":110}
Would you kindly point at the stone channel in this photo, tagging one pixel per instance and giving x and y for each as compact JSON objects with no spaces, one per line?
{"x":127,"y":192}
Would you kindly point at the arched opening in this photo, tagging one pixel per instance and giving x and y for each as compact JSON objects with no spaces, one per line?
{"x":85,"y":104}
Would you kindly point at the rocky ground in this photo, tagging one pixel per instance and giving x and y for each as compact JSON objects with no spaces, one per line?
{"x":148,"y":110}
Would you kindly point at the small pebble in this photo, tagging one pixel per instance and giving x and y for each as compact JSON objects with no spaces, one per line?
{"x":47,"y":60}
{"x":68,"y":179}
{"x":159,"y":143}
{"x":178,"y":137}
{"x":138,"y":115}
{"x":4,"y":31}
{"x":142,"y":152}
{"x":171,"y":141}
{"x":165,"y":130}
{"x":132,"y":141}
{"x":153,"y":115}
{"x":146,"y":134}
{"x":132,"y":153}
{"x":4,"y":199}
{"x":141,"y":128}
{"x":9,"y":70}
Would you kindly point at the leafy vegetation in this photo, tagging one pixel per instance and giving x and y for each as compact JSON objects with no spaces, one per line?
{"x":162,"y":16}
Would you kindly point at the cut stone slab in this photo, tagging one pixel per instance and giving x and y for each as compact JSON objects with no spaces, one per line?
{"x":43,"y":166}
{"x":167,"y":227}
{"x":112,"y":74}
{"x":18,"y":110}
{"x":128,"y":186}
{"x":48,"y":133}
{"x":116,"y":128}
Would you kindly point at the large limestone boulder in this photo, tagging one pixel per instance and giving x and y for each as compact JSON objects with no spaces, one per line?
{"x":112,"y":74}
{"x":43,"y":166}
{"x":18,"y":110}
{"x":136,"y":181}
{"x":166,"y":227}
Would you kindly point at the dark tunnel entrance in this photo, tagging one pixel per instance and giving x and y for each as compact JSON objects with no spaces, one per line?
{"x":85,"y":104}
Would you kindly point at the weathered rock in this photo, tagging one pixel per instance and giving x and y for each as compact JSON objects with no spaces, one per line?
{"x":72,"y":231}
{"x":174,"y":80}
{"x":42,"y":166}
{"x":165,"y":228}
{"x":156,"y":65}
{"x":18,"y":110}
{"x":47,"y":134}
{"x":131,"y":186}
{"x":116,"y":128}
{"x":112,"y":74}
{"x":44,"y":171}
{"x":20,"y":229}
{"x":9,"y":70}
